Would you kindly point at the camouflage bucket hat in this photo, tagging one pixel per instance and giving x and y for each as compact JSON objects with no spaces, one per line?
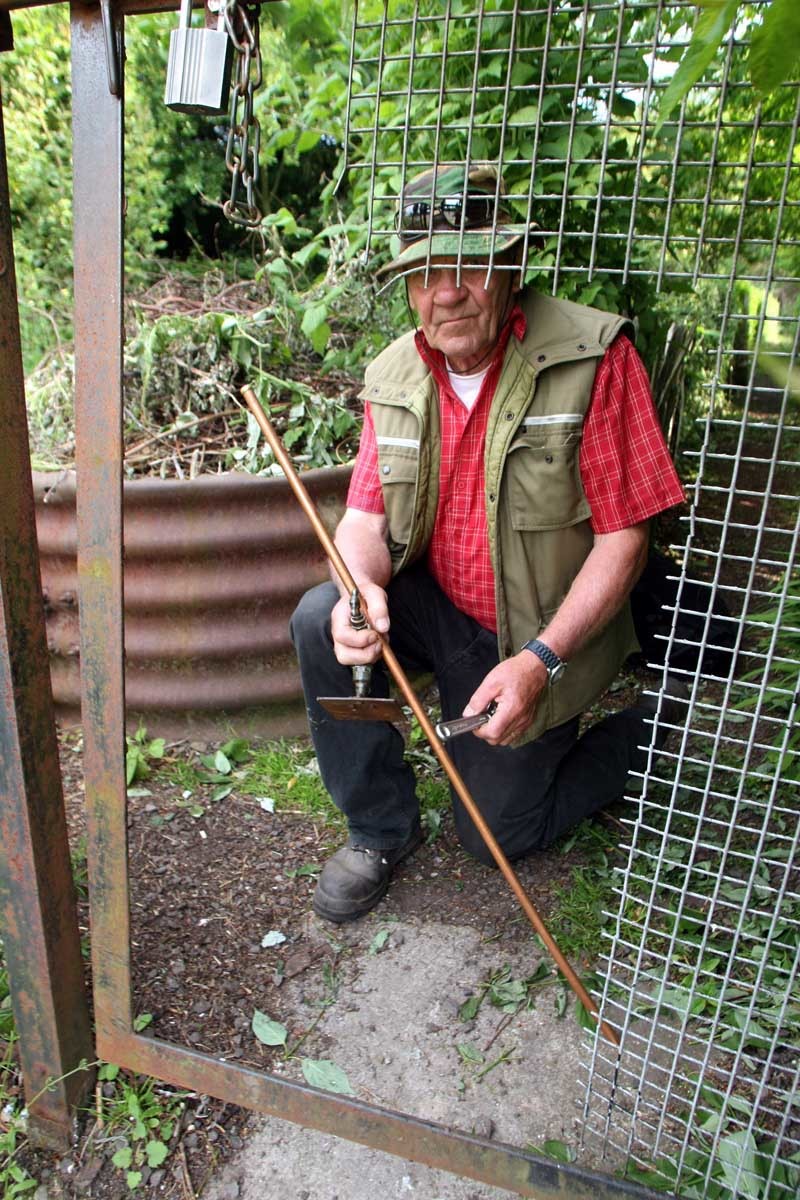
{"x":438,"y":215}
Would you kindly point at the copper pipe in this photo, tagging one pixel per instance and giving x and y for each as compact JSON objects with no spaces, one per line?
{"x":400,"y":678}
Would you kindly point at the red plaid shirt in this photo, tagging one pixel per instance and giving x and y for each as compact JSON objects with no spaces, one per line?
{"x":626,"y":471}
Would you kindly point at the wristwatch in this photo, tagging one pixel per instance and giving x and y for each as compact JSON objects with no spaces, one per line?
{"x":555,"y":665}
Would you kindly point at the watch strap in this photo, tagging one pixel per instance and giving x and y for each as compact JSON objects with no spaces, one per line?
{"x":552,"y":662}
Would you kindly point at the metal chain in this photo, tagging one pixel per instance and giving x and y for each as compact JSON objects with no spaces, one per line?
{"x":244,"y":133}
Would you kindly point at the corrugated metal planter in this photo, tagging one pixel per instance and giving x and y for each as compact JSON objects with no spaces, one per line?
{"x":213,"y":569}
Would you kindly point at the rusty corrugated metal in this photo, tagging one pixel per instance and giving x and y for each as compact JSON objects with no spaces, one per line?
{"x":213,"y":569}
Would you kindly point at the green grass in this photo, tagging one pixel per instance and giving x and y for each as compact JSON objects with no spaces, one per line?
{"x":285,"y":772}
{"x":578,"y":918}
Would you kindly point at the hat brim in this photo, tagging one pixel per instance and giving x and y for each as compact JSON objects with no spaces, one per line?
{"x":472,"y":243}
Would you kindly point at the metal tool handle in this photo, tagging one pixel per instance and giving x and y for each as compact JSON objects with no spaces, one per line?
{"x":459,"y":725}
{"x":362,"y":674}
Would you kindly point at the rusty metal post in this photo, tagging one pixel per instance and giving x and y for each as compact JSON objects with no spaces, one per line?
{"x":97,"y":130}
{"x":37,"y":902}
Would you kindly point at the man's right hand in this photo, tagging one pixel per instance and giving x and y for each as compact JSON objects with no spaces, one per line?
{"x":354,"y":646}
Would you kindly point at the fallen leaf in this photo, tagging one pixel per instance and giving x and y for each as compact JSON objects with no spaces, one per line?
{"x":268,"y":1032}
{"x":322,"y":1073}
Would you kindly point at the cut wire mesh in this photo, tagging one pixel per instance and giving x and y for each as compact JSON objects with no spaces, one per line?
{"x":689,"y":221}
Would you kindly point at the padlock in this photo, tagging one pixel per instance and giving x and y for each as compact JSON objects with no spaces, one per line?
{"x":199,"y":66}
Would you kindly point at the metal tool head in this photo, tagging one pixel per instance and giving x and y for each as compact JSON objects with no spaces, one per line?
{"x":454,"y":728}
{"x":362,"y":708}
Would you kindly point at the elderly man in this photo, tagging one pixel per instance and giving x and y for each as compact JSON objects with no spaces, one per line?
{"x":496,"y":522}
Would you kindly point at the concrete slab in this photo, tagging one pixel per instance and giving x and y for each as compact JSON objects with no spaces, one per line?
{"x":394,"y":1028}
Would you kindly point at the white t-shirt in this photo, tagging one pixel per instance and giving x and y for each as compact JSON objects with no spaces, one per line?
{"x":467,"y":387}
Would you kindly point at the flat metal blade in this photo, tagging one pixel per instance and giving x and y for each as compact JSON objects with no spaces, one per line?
{"x":361,"y":708}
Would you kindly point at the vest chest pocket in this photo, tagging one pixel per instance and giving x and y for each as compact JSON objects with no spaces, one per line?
{"x":542,"y":476}
{"x":398,"y":469}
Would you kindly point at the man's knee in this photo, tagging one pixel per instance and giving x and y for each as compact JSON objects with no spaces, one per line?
{"x":475,"y":846}
{"x":310,"y":621}
{"x":515,"y":843}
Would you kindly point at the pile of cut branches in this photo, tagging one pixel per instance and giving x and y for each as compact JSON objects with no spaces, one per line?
{"x":189,"y":349}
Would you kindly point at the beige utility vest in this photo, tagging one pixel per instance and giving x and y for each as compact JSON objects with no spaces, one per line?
{"x":537,"y":511}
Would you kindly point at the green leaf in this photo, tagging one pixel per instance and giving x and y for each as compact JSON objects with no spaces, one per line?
{"x":277,"y":267}
{"x":135,"y":765}
{"x":379,"y":941}
{"x":713,"y":22}
{"x":222,"y":763}
{"x":314,"y":316}
{"x":651,"y":1177}
{"x":307,"y":141}
{"x":469,"y":1009}
{"x":560,"y":1151}
{"x":315,"y":326}
{"x":221,"y":793}
{"x":302,"y":256}
{"x":320,"y":337}
{"x":312,"y":869}
{"x":469,"y":1053}
{"x":525,"y":116}
{"x":108,"y":1072}
{"x":133,"y":1179}
{"x":141,"y":1021}
{"x":237,"y":750}
{"x":775,"y":45}
{"x":269,"y":1032}
{"x":737,"y":1156}
{"x":123,"y":1157}
{"x":156,"y":1153}
{"x":322,"y":1073}
{"x":584,"y":1017}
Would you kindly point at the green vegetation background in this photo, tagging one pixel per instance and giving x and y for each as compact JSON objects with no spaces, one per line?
{"x":311,"y":300}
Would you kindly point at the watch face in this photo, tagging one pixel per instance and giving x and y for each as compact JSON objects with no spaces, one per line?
{"x":556,"y":672}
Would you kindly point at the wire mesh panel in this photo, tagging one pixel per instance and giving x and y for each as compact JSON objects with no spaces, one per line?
{"x":688,"y":219}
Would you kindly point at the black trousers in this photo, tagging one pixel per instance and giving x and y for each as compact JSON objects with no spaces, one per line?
{"x":528,"y":796}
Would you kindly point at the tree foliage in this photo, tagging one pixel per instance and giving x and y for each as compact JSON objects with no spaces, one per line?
{"x":774,"y":49}
{"x":325,"y":183}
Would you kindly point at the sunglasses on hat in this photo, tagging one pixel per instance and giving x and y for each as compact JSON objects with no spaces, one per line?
{"x":475,"y":213}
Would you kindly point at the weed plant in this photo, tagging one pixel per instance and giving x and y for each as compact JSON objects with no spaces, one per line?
{"x":139,"y":1116}
{"x":15,"y":1180}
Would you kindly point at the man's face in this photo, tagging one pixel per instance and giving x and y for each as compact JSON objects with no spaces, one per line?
{"x":462,"y":320}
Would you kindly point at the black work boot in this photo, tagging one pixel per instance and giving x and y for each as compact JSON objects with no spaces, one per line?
{"x":355,"y":878}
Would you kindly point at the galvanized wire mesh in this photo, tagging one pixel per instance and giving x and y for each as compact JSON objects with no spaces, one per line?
{"x":692,"y":225}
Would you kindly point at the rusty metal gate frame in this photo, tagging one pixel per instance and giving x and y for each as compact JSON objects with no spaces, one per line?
{"x":37,"y":902}
{"x":98,"y":256}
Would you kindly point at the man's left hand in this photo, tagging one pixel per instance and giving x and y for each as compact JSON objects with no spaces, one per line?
{"x":516,"y":687}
